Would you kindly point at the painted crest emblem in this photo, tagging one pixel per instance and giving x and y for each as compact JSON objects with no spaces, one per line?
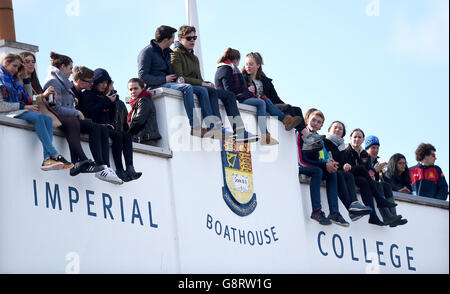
{"x":238,"y":177}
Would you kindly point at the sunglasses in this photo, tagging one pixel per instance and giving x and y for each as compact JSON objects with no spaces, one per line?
{"x":191,"y":38}
{"x":89,"y":82}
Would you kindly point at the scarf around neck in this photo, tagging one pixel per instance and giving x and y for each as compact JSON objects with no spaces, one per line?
{"x":338,"y":141}
{"x":12,"y":89}
{"x":134,"y":101}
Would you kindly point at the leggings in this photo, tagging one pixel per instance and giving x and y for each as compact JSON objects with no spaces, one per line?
{"x":122,"y":142}
{"x":98,"y":141}
{"x":71,"y":128}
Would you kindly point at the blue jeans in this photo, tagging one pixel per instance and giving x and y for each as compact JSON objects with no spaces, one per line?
{"x":262,"y":108}
{"x":188,"y":98}
{"x":317,"y":175}
{"x":44,"y":130}
{"x":206,"y":98}
{"x":229,"y":102}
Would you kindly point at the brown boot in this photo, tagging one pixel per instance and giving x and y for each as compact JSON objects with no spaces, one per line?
{"x":267,"y":139}
{"x":291,"y":122}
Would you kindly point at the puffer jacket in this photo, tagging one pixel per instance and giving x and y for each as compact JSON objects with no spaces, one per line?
{"x":154,"y":65}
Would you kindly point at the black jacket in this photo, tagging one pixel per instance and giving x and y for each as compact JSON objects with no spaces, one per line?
{"x":118,"y":118}
{"x":337,"y":155}
{"x":352,"y":157}
{"x":143,"y":123}
{"x":96,"y":106}
{"x":270,"y":92}
{"x":398,"y":182}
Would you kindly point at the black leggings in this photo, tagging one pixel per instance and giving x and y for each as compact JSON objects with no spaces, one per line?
{"x":346,"y":188}
{"x":98,"y":141}
{"x":122,"y":142}
{"x":369,"y":189}
{"x":71,"y":128}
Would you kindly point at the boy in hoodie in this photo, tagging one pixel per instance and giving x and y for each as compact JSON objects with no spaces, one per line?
{"x":101,"y":104}
{"x":186,"y":64}
{"x":427,"y":179}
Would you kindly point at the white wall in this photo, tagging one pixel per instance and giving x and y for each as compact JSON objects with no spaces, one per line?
{"x":194,"y":232}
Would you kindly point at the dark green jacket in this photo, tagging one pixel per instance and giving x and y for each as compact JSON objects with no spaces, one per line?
{"x":186,"y":65}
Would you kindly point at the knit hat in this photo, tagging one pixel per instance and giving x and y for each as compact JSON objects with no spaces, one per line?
{"x":371,"y":140}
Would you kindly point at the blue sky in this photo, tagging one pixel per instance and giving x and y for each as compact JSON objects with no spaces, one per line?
{"x":385,"y":70}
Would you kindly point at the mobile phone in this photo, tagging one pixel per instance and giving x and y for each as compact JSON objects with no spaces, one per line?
{"x":113,"y":92}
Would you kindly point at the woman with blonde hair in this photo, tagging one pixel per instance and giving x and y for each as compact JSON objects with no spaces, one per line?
{"x":262,"y":86}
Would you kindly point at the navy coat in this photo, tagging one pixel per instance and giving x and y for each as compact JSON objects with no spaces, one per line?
{"x":154,"y":65}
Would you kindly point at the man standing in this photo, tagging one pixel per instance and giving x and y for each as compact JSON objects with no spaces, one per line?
{"x":427,"y":179}
{"x":186,"y":64}
{"x":155,"y":69}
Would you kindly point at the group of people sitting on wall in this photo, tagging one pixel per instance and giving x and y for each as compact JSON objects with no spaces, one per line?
{"x":326,"y":157}
{"x":89,"y":105}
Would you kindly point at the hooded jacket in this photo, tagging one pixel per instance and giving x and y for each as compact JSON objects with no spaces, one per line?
{"x":95,"y":105}
{"x":428,"y":181}
{"x":186,"y":64}
{"x":154,"y":65}
{"x":63,"y":88}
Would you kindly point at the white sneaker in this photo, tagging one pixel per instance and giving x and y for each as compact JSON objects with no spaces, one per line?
{"x":108,"y":175}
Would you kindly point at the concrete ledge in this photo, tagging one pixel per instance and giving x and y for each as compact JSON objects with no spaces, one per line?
{"x":397,"y":196}
{"x":19,"y":46}
{"x":165,"y":92}
{"x":139,"y":148}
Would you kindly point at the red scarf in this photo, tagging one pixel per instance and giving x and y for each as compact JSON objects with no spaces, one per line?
{"x":136,"y":100}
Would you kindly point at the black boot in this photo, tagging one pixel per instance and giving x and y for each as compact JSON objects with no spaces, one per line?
{"x":123,"y":175}
{"x":132,"y":174}
{"x":388,"y":217}
{"x":374,"y":220}
{"x":400,"y":222}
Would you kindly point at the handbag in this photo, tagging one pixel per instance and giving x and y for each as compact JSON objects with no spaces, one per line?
{"x":45,"y":108}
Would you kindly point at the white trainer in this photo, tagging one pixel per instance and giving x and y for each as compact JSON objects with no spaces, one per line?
{"x":108,"y":175}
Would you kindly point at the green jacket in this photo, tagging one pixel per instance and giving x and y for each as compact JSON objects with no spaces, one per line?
{"x":187,"y":65}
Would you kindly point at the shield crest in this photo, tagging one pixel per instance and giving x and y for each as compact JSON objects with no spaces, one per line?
{"x":238,"y":177}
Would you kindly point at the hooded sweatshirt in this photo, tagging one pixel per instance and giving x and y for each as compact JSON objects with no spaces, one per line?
{"x":95,"y":105}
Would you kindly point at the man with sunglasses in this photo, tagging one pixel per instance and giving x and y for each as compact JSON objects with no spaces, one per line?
{"x":186,"y":64}
{"x":155,"y":69}
{"x":427,"y":179}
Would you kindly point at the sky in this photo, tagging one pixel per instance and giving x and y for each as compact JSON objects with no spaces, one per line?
{"x":378,"y":65}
